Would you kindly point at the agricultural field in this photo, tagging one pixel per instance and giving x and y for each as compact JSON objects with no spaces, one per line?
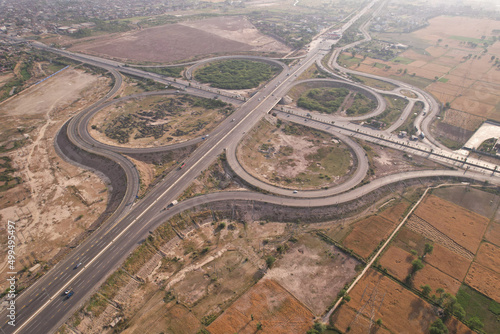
{"x":456,"y":64}
{"x":184,"y":41}
{"x":443,"y":250}
{"x":158,"y":120}
{"x":294,"y":156}
{"x":236,"y":74}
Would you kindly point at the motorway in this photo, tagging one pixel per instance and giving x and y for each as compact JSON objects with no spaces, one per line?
{"x":42,"y":308}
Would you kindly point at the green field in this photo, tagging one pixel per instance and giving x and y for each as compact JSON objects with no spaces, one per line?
{"x":236,"y":74}
{"x":402,"y":60}
{"x":476,"y":304}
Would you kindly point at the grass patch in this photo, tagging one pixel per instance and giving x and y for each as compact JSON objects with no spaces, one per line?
{"x":413,"y":80}
{"x":236,"y":74}
{"x":347,"y":61}
{"x":174,"y":71}
{"x":450,"y":143}
{"x":476,"y":304}
{"x":383,"y":85}
{"x":395,"y":106}
{"x":402,"y":60}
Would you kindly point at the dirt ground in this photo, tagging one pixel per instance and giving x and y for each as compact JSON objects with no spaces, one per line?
{"x":367,"y":235}
{"x":314,"y":272}
{"x":56,"y":201}
{"x":484,"y":280}
{"x":270,"y":305}
{"x":378,"y":297}
{"x":294,"y":157}
{"x":463,"y":226}
{"x":182,"y":41}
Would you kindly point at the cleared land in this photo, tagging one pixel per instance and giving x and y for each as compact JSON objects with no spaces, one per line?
{"x":56,"y":201}
{"x":313,"y":271}
{"x":182,"y":41}
{"x":268,"y":304}
{"x":293,"y":156}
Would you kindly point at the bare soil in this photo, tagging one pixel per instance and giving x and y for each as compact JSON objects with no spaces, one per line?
{"x":314,"y":272}
{"x":56,"y":201}
{"x":182,"y":41}
{"x":299,"y":158}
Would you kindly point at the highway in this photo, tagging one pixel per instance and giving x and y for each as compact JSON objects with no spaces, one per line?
{"x":42,"y":308}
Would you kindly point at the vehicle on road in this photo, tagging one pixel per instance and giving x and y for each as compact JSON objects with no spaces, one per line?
{"x":78,"y":265}
{"x":172,"y":204}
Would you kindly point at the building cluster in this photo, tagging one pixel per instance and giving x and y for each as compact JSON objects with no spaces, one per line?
{"x":25,"y":17}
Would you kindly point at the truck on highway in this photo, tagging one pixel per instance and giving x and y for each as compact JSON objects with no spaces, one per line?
{"x":172,"y":204}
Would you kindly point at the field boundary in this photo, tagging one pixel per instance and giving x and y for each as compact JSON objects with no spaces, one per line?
{"x":327,"y":316}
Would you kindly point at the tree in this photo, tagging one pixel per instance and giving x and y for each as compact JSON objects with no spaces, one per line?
{"x":428,"y":248}
{"x":270,"y":261}
{"x":438,"y":327}
{"x":417,"y":265}
{"x":426,"y":290}
{"x":475,"y":323}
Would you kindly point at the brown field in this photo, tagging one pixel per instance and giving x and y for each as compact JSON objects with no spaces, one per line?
{"x":367,"y":235}
{"x":271,"y":305}
{"x":456,"y":326}
{"x":484,"y":280}
{"x":435,"y":279}
{"x":489,"y":256}
{"x":395,"y":213}
{"x":344,"y":317}
{"x":401,"y":311}
{"x":493,"y":233}
{"x":182,"y":41}
{"x":463,"y":226}
{"x":397,"y":262}
{"x":448,"y":262}
{"x":314,"y":272}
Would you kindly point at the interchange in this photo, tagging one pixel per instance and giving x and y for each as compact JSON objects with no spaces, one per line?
{"x":130,"y":223}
